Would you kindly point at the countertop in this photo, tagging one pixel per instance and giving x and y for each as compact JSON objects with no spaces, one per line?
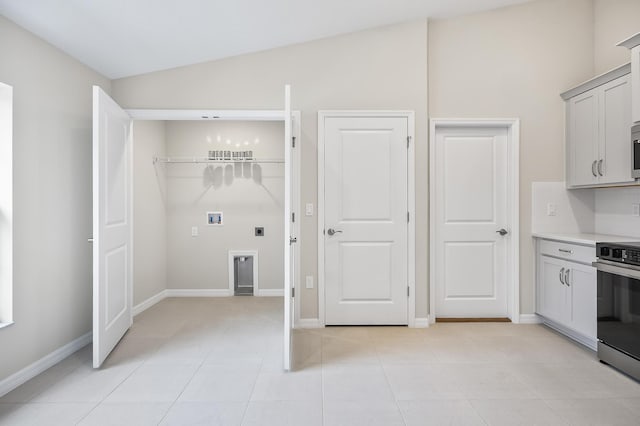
{"x":584,"y":239}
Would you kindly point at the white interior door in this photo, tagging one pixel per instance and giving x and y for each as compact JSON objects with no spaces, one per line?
{"x":112,"y":230}
{"x":470,"y":210}
{"x":289,"y":238}
{"x":366,"y":220}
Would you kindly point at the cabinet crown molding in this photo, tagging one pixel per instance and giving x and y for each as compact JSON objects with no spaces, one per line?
{"x":597,"y":81}
{"x":631,"y":42}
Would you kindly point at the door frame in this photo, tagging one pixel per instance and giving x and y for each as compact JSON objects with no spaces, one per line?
{"x":512,"y":125}
{"x":411,"y":203}
{"x":235,"y":115}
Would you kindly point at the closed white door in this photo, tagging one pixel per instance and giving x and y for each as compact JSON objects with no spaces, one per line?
{"x":470,"y":214}
{"x":112,"y":219}
{"x":365,"y":220}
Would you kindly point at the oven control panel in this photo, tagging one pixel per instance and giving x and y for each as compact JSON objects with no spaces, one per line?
{"x":619,"y":252}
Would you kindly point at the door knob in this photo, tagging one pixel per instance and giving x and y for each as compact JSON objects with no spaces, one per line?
{"x":502,"y":232}
{"x":332,"y":232}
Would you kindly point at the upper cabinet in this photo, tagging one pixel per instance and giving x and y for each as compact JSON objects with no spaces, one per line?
{"x":598,"y":129}
{"x":633,"y":43}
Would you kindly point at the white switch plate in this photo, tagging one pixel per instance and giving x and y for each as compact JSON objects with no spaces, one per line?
{"x":552,"y":209}
{"x":194,"y":231}
{"x":309,"y":281}
{"x":636,"y":210}
{"x":308,"y":209}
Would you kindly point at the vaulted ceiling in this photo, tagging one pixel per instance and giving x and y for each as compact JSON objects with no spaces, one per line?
{"x":120,"y":38}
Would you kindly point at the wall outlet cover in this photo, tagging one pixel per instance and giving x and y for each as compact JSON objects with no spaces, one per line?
{"x":259,"y":231}
{"x":308,"y":209}
{"x":636,"y":210}
{"x":194,"y":231}
{"x":309,"y":281}
{"x":552,"y":209}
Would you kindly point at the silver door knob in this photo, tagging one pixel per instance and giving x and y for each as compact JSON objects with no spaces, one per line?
{"x":332,"y":232}
{"x":502,"y":232}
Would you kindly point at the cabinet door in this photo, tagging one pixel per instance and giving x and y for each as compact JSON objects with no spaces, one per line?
{"x":635,"y":84}
{"x":583,"y":139}
{"x":552,"y":293}
{"x":614,"y":162}
{"x":581,"y":282}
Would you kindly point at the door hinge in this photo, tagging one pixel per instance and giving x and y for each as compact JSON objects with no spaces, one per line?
{"x":408,"y":141}
{"x":408,"y":291}
{"x":408,"y":217}
{"x":293,"y":292}
{"x":293,"y":142}
{"x":293,"y":217}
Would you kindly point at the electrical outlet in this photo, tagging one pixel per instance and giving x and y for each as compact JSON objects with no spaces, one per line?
{"x":636,"y":210}
{"x":259,"y":231}
{"x":308,"y":209}
{"x":194,"y":231}
{"x":309,"y":281}
{"x":552,"y":209}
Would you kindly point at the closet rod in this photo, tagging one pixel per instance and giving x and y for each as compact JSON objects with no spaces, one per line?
{"x":205,"y":160}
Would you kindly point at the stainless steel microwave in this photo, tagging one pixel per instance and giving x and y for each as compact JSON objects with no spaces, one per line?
{"x":635,"y":146}
{"x":635,"y":150}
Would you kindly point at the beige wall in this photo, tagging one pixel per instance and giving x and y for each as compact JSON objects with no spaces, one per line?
{"x":615,"y":20}
{"x":514,"y":62}
{"x":383,"y":68}
{"x":149,"y":207}
{"x":52,"y":197}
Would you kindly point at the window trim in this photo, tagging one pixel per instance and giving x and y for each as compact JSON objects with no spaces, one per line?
{"x":6,"y":205}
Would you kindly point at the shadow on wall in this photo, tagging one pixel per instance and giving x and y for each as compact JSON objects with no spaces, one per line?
{"x":215,"y":176}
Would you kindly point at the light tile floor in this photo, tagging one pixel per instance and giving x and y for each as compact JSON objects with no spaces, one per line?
{"x":219,"y":362}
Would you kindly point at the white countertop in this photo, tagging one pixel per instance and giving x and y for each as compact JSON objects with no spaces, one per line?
{"x":585,"y":239}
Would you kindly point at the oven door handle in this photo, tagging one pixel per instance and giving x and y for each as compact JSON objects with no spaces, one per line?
{"x":628,"y":271}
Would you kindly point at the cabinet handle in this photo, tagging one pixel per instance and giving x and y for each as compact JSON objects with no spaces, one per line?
{"x":600,"y":167}
{"x":565,"y":251}
{"x":561,"y":274}
{"x":593,"y":168}
{"x":566,"y":277}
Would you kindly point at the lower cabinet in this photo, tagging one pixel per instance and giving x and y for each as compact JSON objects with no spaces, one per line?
{"x":566,"y":296}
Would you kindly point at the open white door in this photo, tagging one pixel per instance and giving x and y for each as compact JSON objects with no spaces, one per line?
{"x":112,"y":230}
{"x":289,"y":238}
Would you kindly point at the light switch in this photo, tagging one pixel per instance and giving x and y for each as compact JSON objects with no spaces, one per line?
{"x":636,"y":210}
{"x":551,"y":209}
{"x":194,"y":231}
{"x":309,"y":281}
{"x":308,"y":209}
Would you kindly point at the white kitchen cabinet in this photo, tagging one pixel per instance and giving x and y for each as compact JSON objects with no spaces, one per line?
{"x":566,"y":289}
{"x":598,"y":146}
{"x":633,"y":43}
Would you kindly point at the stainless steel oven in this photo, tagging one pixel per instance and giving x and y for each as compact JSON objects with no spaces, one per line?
{"x":618,"y":306}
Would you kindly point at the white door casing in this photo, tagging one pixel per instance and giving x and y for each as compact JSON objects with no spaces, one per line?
{"x":112,"y":225}
{"x":364,"y":189}
{"x":473,"y":195}
{"x":289,"y":238}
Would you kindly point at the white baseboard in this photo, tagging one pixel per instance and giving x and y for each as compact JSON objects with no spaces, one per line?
{"x":141,"y":307}
{"x":48,"y":361}
{"x":421,"y":322}
{"x":205,"y":292}
{"x":589,"y":342}
{"x":309,"y":323}
{"x":530,"y":319}
{"x":270,"y":292}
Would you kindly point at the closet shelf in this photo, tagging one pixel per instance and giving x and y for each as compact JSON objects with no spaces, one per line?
{"x":205,"y":160}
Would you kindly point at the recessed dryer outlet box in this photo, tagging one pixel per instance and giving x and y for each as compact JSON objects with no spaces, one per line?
{"x":259,"y":231}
